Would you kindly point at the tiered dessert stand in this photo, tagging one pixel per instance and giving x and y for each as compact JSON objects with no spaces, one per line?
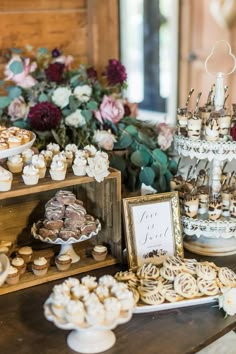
{"x":201,"y":235}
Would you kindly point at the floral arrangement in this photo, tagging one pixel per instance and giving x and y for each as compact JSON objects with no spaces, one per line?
{"x":67,"y":103}
{"x":227,"y":301}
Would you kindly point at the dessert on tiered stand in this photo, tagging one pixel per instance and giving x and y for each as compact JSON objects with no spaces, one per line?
{"x":207,"y":195}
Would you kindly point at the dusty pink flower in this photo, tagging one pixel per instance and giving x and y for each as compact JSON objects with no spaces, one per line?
{"x":165,"y":136}
{"x":110,"y":109}
{"x":18,"y":109}
{"x":22,"y":79}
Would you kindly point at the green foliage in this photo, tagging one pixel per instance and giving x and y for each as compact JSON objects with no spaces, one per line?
{"x":16,"y":67}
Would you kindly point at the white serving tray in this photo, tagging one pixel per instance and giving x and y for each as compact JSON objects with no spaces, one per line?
{"x":17,"y":150}
{"x":174,"y":305}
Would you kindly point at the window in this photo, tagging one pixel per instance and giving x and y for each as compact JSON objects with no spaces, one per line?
{"x":149,"y":37}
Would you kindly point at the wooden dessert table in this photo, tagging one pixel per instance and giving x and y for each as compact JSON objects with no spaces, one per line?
{"x":25,"y":330}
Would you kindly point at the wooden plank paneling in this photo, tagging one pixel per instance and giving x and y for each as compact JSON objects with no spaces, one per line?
{"x":28,"y":5}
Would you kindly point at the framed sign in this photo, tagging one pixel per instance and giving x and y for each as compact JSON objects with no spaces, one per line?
{"x":152,"y":228}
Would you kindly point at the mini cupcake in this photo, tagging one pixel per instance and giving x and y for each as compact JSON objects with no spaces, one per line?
{"x":13,"y":276}
{"x":19,"y":263}
{"x":15,"y":163}
{"x":55,"y":148}
{"x":57,"y":170}
{"x":26,"y":253}
{"x":4,"y":250}
{"x":30,"y":175}
{"x":99,"y":253}
{"x":63,"y":262}
{"x":14,"y":141}
{"x":47,"y":155}
{"x":5,"y":180}
{"x":27,"y":156}
{"x":79,"y":166}
{"x":40,"y":266}
{"x":39,"y":162}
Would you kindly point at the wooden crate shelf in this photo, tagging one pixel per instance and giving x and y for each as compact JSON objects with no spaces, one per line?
{"x":23,"y":205}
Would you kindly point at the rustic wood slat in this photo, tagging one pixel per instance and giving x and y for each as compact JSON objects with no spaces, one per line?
{"x":27,"y":5}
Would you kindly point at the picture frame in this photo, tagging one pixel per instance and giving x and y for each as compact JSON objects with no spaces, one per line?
{"x":152,"y":228}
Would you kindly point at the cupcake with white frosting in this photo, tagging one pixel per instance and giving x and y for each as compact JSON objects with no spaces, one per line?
{"x":57,"y":170}
{"x":40,"y":266}
{"x":15,"y":163}
{"x":63,"y":262}
{"x":55,"y":148}
{"x":79,"y":166}
{"x":14,"y":141}
{"x":5,"y":179}
{"x":19,"y":264}
{"x":27,"y":156}
{"x":39,"y":162}
{"x":30,"y":175}
{"x":47,"y":155}
{"x":13,"y":276}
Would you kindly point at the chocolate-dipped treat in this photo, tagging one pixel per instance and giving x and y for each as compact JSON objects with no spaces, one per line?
{"x":65,"y":197}
{"x":224,"y":124}
{"x":176,"y":183}
{"x":226,"y":198}
{"x":183,"y":114}
{"x":204,"y":113}
{"x":195,"y":123}
{"x":203,"y":195}
{"x":191,"y":204}
{"x":212,"y":128}
{"x":215,"y":208}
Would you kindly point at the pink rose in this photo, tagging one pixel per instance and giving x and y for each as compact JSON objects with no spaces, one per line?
{"x":110,"y":109}
{"x":22,"y":79}
{"x":18,"y":109}
{"x":165,"y":136}
{"x":104,"y":139}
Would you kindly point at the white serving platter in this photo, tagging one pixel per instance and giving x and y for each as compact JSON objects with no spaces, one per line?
{"x":174,"y":305}
{"x":18,"y":149}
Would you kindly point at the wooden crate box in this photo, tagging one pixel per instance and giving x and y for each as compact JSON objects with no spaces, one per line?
{"x":23,"y":205}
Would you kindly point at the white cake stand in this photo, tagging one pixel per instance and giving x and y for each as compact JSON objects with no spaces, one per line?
{"x":17,"y":150}
{"x":67,"y":246}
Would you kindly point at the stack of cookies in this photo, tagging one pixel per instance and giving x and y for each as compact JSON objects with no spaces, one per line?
{"x":176,"y":279}
{"x":65,"y":218}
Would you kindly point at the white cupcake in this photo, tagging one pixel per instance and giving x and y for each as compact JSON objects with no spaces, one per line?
{"x":30,"y":175}
{"x":79,"y":166}
{"x":27,"y":156}
{"x":57,"y":170}
{"x":47,"y":155}
{"x":40,"y":266}
{"x":15,"y":163}
{"x":39,"y":162}
{"x":55,"y":148}
{"x":5,"y":180}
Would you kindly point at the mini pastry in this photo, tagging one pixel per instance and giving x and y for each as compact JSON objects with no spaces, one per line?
{"x":15,"y":163}
{"x":205,"y":271}
{"x":182,"y":117}
{"x":5,"y":180}
{"x":19,"y":263}
{"x":203,"y":196}
{"x":65,"y":197}
{"x":40,"y":266}
{"x":55,"y":148}
{"x":79,"y":166}
{"x":26,"y":253}
{"x":47,"y":155}
{"x":66,"y":234}
{"x":75,"y":210}
{"x":224,"y":123}
{"x":233,"y":206}
{"x":13,"y":276}
{"x":46,"y":233}
{"x":14,"y":141}
{"x":186,"y":285}
{"x":226,"y":199}
{"x":88,"y":227}
{"x":63,"y":262}
{"x":215,"y":209}
{"x":191,"y":205}
{"x":148,"y":271}
{"x":208,"y":287}
{"x":99,"y":253}
{"x":227,"y":277}
{"x":57,"y":170}
{"x":39,"y":162}
{"x":53,"y":224}
{"x":30,"y":175}
{"x":194,"y":128}
{"x":173,"y":262}
{"x":27,"y":156}
{"x":212,"y":129}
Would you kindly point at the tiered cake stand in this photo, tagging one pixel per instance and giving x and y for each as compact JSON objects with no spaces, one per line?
{"x":203,"y":236}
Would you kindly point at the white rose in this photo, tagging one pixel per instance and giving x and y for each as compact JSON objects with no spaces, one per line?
{"x":75,"y":119}
{"x":97,"y":168}
{"x":227,"y":301}
{"x":104,"y":139}
{"x":83,"y":93}
{"x":61,"y":96}
{"x":102,"y":155}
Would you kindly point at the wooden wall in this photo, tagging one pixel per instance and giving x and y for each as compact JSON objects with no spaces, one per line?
{"x":86,"y":29}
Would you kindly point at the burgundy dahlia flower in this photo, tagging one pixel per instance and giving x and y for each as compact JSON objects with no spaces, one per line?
{"x":115,"y":72}
{"x":44,"y":116}
{"x":56,"y":53}
{"x":92,"y":73}
{"x":54,"y":72}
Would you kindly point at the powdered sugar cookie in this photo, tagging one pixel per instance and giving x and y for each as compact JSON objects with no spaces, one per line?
{"x":185,"y":285}
{"x":227,"y":276}
{"x":205,"y":271}
{"x":207,"y":287}
{"x":148,"y":271}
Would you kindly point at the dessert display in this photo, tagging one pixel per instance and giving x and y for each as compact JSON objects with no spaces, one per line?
{"x":63,"y":262}
{"x":40,"y":266}
{"x":176,"y":279}
{"x":15,"y":163}
{"x":93,"y":306}
{"x":14,"y":137}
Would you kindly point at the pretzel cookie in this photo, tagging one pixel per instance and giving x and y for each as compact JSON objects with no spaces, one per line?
{"x":186,"y":285}
{"x":152,"y":299}
{"x":190,"y":266}
{"x":172,"y":296}
{"x":125,"y":276}
{"x":173,"y":262}
{"x":227,"y":276}
{"x":148,"y":271}
{"x":168,"y":273}
{"x":205,"y":271}
{"x":207,"y":287}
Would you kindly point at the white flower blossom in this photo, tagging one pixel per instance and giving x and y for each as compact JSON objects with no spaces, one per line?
{"x":75,"y":119}
{"x":90,"y":150}
{"x":61,"y":96}
{"x":104,"y":139}
{"x":97,"y":168}
{"x":83,"y":93}
{"x":227,"y":301}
